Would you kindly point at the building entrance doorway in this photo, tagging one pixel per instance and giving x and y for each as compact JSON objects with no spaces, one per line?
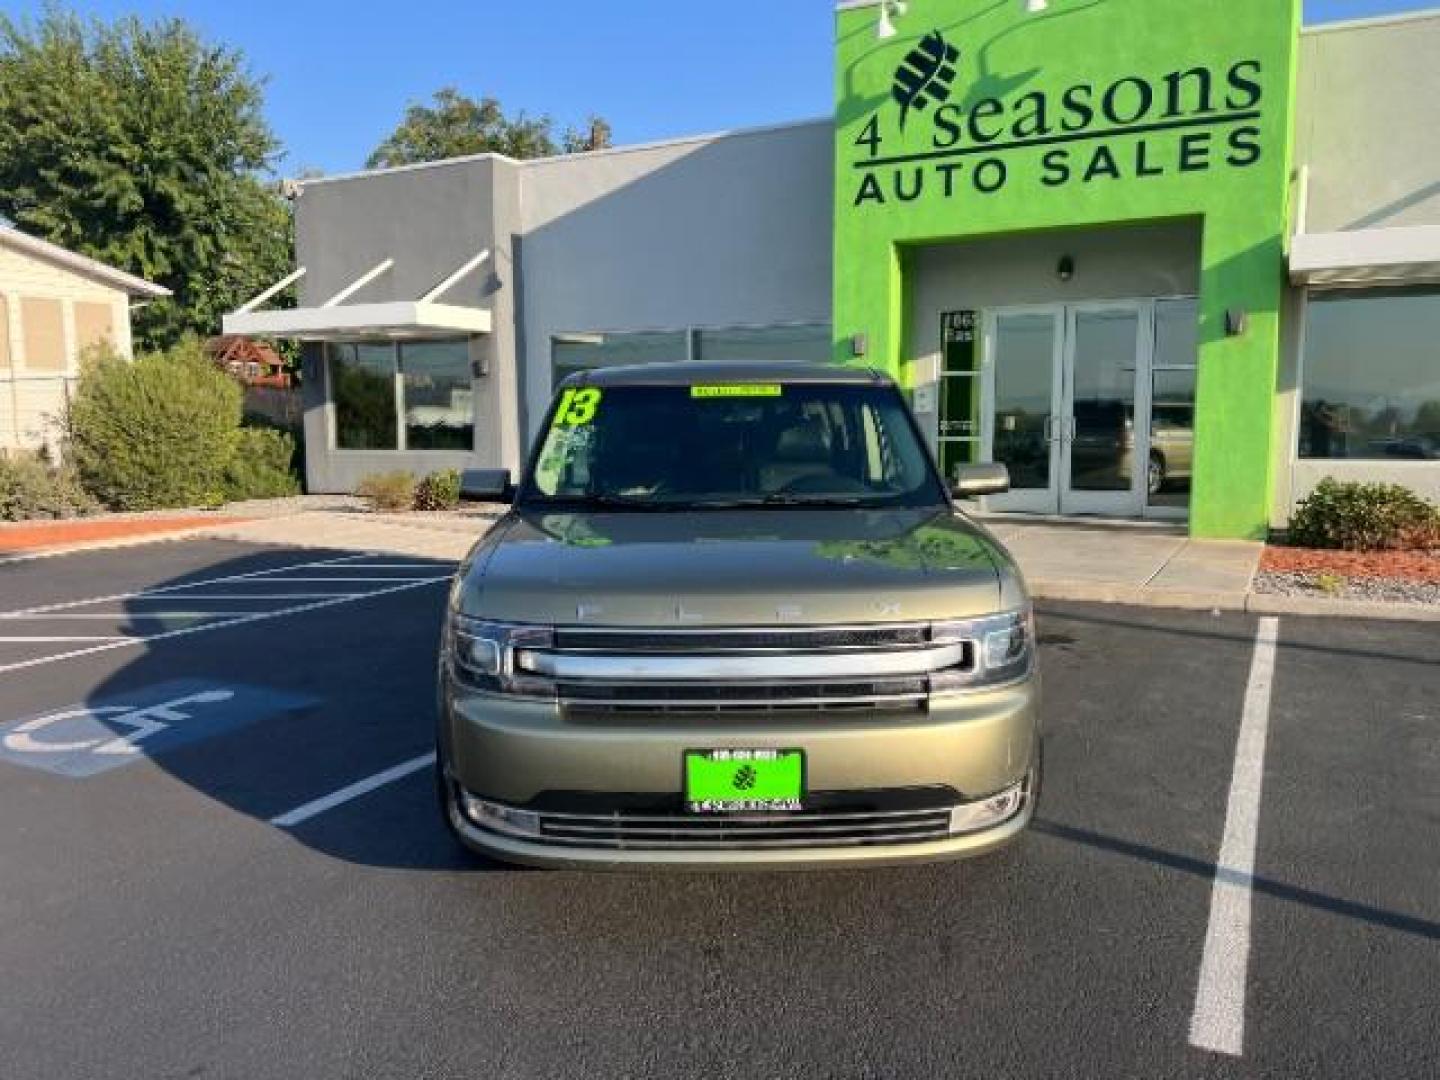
{"x":1092,"y":406}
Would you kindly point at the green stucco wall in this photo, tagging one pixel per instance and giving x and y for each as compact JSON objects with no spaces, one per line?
{"x":1093,"y":112}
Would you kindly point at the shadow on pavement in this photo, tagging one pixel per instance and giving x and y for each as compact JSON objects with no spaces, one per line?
{"x":335,"y":691}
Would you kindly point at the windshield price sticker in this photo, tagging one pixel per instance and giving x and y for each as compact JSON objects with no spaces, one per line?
{"x":752,"y":390}
{"x":578,"y":407}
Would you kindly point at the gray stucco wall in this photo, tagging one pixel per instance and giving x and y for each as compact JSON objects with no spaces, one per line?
{"x":430,"y":220}
{"x":735,"y":230}
{"x":1367,"y":123}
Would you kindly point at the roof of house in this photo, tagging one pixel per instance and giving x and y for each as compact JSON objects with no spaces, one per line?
{"x":80,"y":264}
{"x":229,"y":347}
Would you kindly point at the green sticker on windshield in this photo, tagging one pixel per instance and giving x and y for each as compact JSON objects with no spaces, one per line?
{"x":745,"y":390}
{"x":577,"y":407}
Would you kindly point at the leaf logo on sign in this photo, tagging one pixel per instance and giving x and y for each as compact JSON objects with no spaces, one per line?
{"x":925,"y":75}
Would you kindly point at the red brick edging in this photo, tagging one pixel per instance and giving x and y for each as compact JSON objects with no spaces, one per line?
{"x":40,"y":535}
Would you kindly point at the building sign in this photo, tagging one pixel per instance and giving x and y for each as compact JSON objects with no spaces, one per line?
{"x":923,"y":145}
{"x":984,"y":119}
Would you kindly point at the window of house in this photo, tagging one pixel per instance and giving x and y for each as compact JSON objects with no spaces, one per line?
{"x":1371,"y":375}
{"x":413,"y":396}
{"x":94,"y":324}
{"x":571,"y":353}
{"x":439,"y":395}
{"x":809,"y":344}
{"x":44,"y":326}
{"x":363,"y":387}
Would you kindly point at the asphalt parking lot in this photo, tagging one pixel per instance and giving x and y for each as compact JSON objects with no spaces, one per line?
{"x":220,"y":857}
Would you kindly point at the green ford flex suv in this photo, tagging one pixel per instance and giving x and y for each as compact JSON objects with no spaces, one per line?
{"x":735,"y":618}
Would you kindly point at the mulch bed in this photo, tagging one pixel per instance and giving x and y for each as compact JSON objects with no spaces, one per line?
{"x":39,"y":535}
{"x":1415,"y":566}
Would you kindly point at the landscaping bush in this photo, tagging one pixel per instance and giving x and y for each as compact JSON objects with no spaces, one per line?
{"x":1365,"y":517}
{"x":439,"y":491}
{"x":158,"y":432}
{"x":33,"y":488}
{"x":261,"y":466}
{"x":388,"y":491}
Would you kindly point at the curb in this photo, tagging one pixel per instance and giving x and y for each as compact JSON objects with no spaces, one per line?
{"x":1266,"y":604}
{"x":1236,"y":602}
{"x":111,"y":544}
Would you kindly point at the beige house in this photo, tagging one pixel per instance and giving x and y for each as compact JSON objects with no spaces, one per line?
{"x":54,"y":304}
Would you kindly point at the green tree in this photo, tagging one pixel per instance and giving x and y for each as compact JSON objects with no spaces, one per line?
{"x":144,"y":146}
{"x":455,"y":125}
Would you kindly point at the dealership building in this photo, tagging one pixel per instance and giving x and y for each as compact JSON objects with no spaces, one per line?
{"x":1164,"y":259}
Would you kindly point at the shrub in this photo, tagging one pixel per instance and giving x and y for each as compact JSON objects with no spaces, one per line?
{"x":388,"y":491}
{"x":1365,"y":517}
{"x":439,"y":491}
{"x":32,"y":488}
{"x":260,"y":468}
{"x":155,"y":433}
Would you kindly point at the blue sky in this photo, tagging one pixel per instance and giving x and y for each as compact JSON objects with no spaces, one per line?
{"x":341,"y":73}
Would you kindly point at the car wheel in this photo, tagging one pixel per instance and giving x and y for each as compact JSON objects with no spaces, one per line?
{"x":1155,"y":481}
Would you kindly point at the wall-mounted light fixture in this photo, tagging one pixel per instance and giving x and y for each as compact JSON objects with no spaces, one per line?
{"x":889,"y":10}
{"x":1065,"y":270}
{"x":1034,"y":7}
{"x":1237,"y":321}
{"x":860,"y":345}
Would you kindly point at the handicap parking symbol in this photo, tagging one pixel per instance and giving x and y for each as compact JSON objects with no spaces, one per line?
{"x":95,"y":737}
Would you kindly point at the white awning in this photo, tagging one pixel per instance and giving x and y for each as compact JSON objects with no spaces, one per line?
{"x":334,"y":319}
{"x":1367,"y":257}
{"x":396,"y":319}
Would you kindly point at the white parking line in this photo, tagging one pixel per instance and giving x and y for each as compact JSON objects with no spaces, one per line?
{"x":1218,"y":1023}
{"x":147,"y":615}
{"x":164,"y":589}
{"x":260,"y":616}
{"x":319,"y":806}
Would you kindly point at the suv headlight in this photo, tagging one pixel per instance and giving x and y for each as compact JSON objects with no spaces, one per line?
{"x":491,"y":656}
{"x":1001,"y":650}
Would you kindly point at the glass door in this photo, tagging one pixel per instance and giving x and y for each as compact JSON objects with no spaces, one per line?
{"x":1024,"y":350}
{"x":1103,"y":446}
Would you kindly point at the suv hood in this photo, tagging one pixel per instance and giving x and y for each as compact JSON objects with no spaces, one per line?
{"x":744,"y":568}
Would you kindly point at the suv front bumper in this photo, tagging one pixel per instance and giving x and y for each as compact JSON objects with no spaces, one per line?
{"x":530,"y":756}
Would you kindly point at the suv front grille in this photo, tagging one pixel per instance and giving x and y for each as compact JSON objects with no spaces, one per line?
{"x":821,"y":829}
{"x":744,"y":671}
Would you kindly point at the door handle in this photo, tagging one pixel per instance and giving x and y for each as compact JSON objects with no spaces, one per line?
{"x":1048,"y":431}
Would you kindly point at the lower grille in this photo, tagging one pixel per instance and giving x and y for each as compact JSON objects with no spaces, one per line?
{"x":868,"y":695}
{"x":640,"y":832}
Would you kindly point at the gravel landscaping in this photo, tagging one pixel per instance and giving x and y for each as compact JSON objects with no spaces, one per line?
{"x":1386,"y":590}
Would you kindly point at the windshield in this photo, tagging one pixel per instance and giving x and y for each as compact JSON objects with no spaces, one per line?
{"x":712,"y":447}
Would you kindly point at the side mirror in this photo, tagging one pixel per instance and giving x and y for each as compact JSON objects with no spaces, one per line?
{"x":977,"y":481}
{"x":486,"y":486}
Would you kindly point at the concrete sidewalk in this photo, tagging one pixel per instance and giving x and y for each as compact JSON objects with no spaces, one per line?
{"x":1156,"y":566}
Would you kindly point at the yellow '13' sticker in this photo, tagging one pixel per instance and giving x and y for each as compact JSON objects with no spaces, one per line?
{"x":577,"y":407}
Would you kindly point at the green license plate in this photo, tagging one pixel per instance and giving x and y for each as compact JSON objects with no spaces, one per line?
{"x":744,"y":781}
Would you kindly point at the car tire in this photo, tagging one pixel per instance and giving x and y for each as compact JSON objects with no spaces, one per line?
{"x":1155,"y":475}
